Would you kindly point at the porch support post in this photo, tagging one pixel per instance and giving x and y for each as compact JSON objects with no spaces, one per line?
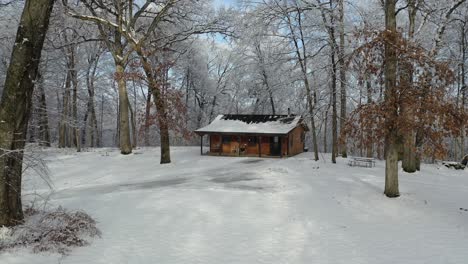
{"x":238,"y":145}
{"x":220,"y":145}
{"x":201,"y":144}
{"x":259,"y":142}
{"x":280,"y":140}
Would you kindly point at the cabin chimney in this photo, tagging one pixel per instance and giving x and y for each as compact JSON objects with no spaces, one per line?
{"x":289,"y":111}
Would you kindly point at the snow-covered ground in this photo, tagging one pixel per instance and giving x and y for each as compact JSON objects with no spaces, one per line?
{"x":203,"y":209}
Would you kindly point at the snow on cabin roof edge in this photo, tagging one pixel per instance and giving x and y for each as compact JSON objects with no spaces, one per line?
{"x":252,"y":124}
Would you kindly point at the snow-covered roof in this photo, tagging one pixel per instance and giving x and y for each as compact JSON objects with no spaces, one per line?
{"x":252,"y":124}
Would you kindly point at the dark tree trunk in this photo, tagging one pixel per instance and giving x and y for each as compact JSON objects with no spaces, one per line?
{"x":133,"y":123}
{"x":265,"y":79}
{"x":370,"y":145}
{"x":343,"y":82}
{"x":74,"y":106}
{"x":302,"y":59}
{"x":161,"y":110}
{"x":124,"y":126}
{"x":64,"y":118}
{"x":334,"y":110}
{"x":15,"y":105}
{"x":147,"y":117}
{"x":408,"y":143}
{"x":91,"y":126}
{"x":325,"y":128}
{"x":44,"y":132}
{"x":391,"y":93}
{"x":463,"y":90}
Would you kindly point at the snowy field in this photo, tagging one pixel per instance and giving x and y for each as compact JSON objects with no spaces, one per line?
{"x":217,"y":210}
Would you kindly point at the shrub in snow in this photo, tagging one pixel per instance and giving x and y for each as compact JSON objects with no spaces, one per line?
{"x":56,"y":231}
{"x":5,"y":236}
{"x":465,"y":161}
{"x":453,"y":165}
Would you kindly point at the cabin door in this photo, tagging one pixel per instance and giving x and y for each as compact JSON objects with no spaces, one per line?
{"x":275,"y":146}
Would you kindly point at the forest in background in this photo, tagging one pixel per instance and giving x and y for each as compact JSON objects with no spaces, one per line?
{"x":249,"y":58}
{"x":382,"y":79}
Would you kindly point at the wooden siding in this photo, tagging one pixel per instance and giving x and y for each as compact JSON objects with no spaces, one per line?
{"x":249,"y":145}
{"x":296,"y":144}
{"x":215,"y":143}
{"x":265,"y":146}
{"x":284,"y":145}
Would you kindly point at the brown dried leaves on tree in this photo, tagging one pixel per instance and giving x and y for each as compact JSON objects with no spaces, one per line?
{"x":176,"y":117}
{"x":432,"y":108}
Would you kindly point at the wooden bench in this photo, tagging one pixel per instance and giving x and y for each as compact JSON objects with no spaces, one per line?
{"x":362,"y":162}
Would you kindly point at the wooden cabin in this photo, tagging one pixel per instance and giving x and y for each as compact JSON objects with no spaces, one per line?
{"x":255,"y":135}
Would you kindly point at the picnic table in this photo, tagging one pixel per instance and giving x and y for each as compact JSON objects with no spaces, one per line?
{"x":361,"y":162}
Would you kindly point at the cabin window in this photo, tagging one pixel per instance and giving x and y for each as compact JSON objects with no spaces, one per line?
{"x":275,"y":139}
{"x":226,"y":139}
{"x":252,"y":140}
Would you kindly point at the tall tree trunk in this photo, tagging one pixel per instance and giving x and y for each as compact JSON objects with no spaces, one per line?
{"x":124,"y":126}
{"x":133,"y":123}
{"x":91,"y":127}
{"x":74,"y":105}
{"x":391,"y":93}
{"x":325,"y":127}
{"x":147,"y":117}
{"x":343,"y":81}
{"x":64,"y":126}
{"x":330,"y":26}
{"x":44,"y":132}
{"x":408,"y":142}
{"x":134,"y":117}
{"x":213,"y":106}
{"x":370,"y":145}
{"x":302,"y":59}
{"x":265,"y":77}
{"x":161,"y":110}
{"x":15,"y":105}
{"x":101,"y":120}
{"x":442,"y":26}
{"x":464,"y":88}
{"x":334,"y":110}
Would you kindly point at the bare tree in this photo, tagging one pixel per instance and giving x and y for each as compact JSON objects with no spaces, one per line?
{"x":343,"y":79}
{"x":15,"y":105}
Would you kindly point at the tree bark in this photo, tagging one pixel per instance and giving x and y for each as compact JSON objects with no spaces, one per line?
{"x":44,"y":132}
{"x":147,"y":117}
{"x":91,"y":126}
{"x":330,"y":27}
{"x":370,"y":145}
{"x":343,"y":80}
{"x":15,"y":105}
{"x":124,"y":126}
{"x":463,"y":49}
{"x":64,"y":126}
{"x":265,"y":77}
{"x":409,"y":151}
{"x":391,"y":93}
{"x":133,"y":124}
{"x":325,"y":127}
{"x":160,"y":108}
{"x":333,"y":94}
{"x":302,"y":59}
{"x":74,"y":106}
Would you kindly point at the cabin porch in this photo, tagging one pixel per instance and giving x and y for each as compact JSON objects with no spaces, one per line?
{"x":243,"y":145}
